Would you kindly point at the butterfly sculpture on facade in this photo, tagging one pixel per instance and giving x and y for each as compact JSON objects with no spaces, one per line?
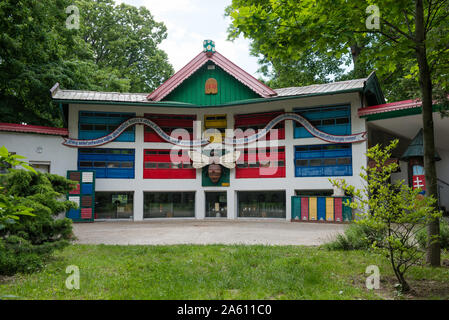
{"x":214,"y":162}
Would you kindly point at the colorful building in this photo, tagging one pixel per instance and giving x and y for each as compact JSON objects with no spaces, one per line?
{"x":296,"y":139}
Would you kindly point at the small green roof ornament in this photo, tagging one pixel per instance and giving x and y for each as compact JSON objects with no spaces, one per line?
{"x":209,"y":47}
{"x":416,"y":148}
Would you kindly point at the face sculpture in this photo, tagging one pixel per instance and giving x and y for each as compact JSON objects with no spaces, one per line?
{"x":214,"y":172}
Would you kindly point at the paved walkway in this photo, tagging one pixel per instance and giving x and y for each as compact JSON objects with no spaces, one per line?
{"x":206,"y":232}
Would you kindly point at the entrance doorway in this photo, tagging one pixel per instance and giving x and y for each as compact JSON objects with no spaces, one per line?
{"x":216,"y":205}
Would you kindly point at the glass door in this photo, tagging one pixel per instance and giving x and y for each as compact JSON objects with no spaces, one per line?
{"x":216,"y":205}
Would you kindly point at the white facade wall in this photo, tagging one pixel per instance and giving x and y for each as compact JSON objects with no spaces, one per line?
{"x":41,"y":148}
{"x":288,"y":184}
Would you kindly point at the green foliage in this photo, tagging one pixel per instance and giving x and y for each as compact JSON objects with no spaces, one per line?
{"x":335,"y":33}
{"x":355,"y":237}
{"x":37,"y":191}
{"x":393,"y":210}
{"x":10,"y":208}
{"x":20,"y":255}
{"x":314,"y":68}
{"x":8,"y":160}
{"x":422,"y":237}
{"x":29,"y":204}
{"x":124,"y":42}
{"x":115,"y":49}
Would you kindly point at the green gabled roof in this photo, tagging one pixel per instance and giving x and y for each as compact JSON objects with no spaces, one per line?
{"x":416,"y":148}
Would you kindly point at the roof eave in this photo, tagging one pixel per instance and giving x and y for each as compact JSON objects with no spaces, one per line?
{"x":229,"y":104}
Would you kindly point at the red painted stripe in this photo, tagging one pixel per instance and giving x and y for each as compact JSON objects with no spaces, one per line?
{"x":388,"y":107}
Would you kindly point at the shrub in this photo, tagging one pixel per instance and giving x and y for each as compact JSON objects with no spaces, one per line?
{"x":29,"y":229}
{"x":395,"y":210}
{"x":355,"y":237}
{"x":421,"y":236}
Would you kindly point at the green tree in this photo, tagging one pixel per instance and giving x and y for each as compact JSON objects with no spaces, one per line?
{"x":126,"y":39}
{"x":393,"y":211}
{"x":10,"y":209}
{"x":411,"y":44}
{"x":37,"y":50}
{"x":33,"y":39}
{"x":313,"y":69}
{"x":29,"y":204}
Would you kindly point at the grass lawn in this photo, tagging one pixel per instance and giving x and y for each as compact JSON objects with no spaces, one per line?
{"x":219,"y":272}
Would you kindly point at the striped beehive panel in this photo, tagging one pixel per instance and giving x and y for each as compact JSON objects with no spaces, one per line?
{"x":83,"y":196}
{"x":86,"y":201}
{"x":338,"y":209}
{"x":86,"y":213}
{"x":76,"y":190}
{"x":329,"y":209}
{"x":321,"y":208}
{"x":75,"y":199}
{"x":304,"y":208}
{"x":296,"y":208}
{"x":86,"y":188}
{"x":347,"y":211}
{"x":75,"y":176}
{"x":313,"y":214}
{"x":88,"y":177}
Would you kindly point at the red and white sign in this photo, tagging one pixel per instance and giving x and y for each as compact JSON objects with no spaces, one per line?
{"x":419,"y":181}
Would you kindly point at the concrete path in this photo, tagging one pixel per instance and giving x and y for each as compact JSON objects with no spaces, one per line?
{"x":206,"y":232}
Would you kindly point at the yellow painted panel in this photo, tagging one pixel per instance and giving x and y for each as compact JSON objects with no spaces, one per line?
{"x":312,"y":208}
{"x":215,"y":121}
{"x":330,"y":209}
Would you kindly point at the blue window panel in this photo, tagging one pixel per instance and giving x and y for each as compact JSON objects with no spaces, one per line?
{"x":74,"y":214}
{"x":103,"y":123}
{"x":338,"y":130}
{"x":309,"y":172}
{"x":108,"y":163}
{"x":99,"y":173}
{"x":112,"y":173}
{"x":338,"y":170}
{"x":89,"y":135}
{"x":313,"y":160}
{"x":321,"y":114}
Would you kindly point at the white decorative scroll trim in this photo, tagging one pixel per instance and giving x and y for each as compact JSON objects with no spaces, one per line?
{"x":353,"y":138}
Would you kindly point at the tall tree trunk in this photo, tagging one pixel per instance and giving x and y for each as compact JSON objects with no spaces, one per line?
{"x":425,"y":83}
{"x":355,"y":52}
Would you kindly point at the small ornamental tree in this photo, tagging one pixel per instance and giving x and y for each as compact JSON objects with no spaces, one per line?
{"x":10,"y":211}
{"x":393,"y":210}
{"x":29,"y":204}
